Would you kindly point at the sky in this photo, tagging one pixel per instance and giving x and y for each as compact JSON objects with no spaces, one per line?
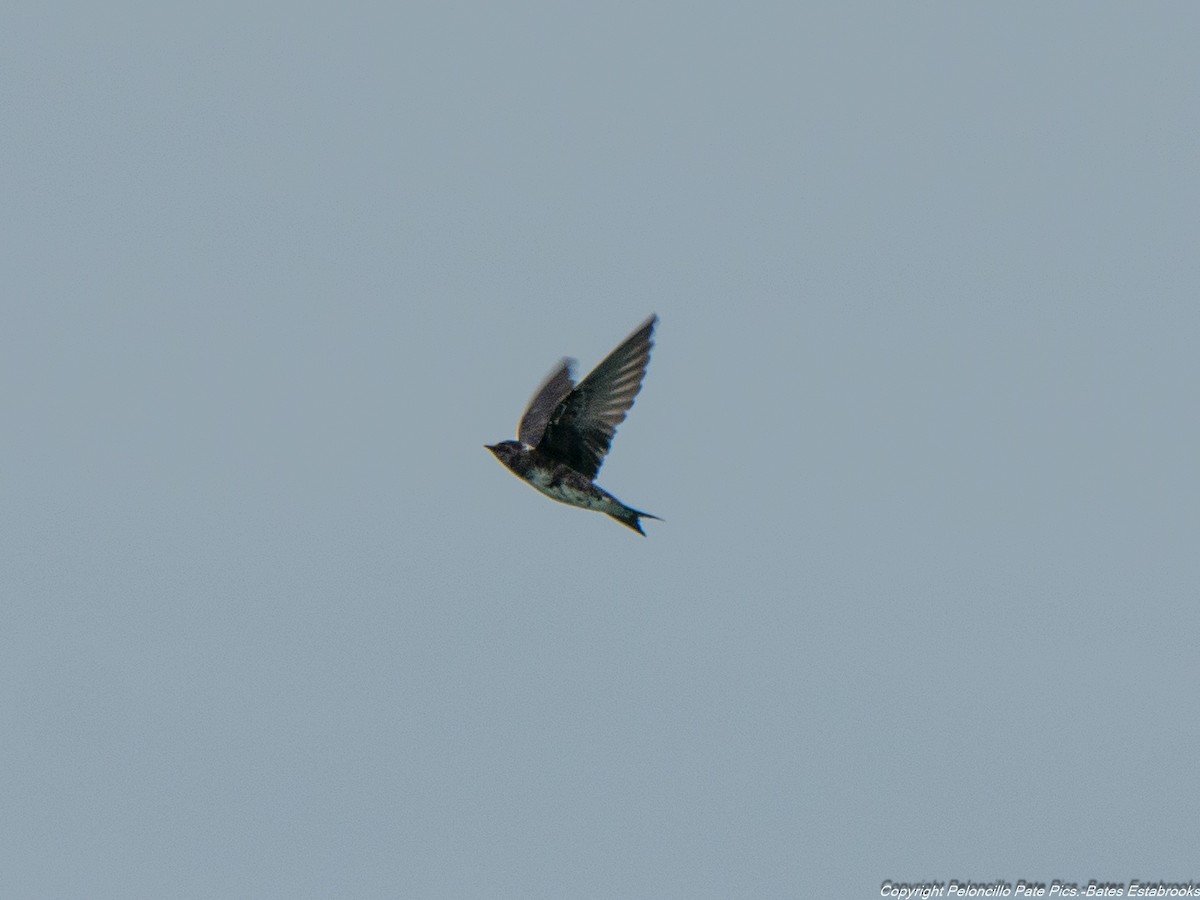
{"x":920,"y":422}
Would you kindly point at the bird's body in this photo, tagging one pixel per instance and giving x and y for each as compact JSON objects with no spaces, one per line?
{"x":567,"y":430}
{"x":560,"y":482}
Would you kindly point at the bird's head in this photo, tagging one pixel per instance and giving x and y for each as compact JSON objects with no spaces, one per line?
{"x":505,"y":451}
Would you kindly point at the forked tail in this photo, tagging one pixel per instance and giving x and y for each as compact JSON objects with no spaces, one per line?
{"x":631,"y":518}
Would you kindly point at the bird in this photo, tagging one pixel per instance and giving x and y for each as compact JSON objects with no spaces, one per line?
{"x":567,"y":429}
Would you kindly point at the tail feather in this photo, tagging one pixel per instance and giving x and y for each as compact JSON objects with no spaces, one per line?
{"x":630,"y":518}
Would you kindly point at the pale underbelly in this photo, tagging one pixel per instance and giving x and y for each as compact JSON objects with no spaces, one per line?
{"x":574,"y":495}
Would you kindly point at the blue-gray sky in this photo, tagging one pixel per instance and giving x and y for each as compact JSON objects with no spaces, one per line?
{"x":921,"y":421}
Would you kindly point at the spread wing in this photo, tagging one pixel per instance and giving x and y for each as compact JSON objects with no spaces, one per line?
{"x":545,"y":399}
{"x":582,"y":426}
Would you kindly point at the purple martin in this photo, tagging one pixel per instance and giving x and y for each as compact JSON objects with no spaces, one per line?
{"x":568,"y":428}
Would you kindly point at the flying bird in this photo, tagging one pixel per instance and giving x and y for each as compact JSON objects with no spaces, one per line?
{"x":568,"y":428}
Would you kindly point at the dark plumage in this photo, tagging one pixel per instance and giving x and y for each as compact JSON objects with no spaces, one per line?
{"x":567,"y":428}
